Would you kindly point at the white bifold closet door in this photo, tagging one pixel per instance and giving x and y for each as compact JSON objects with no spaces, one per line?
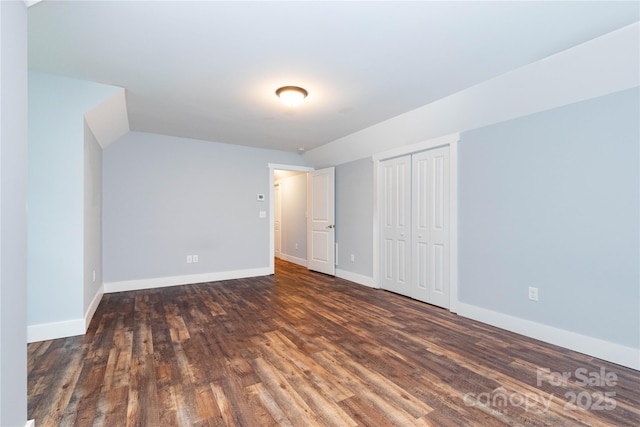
{"x":395,"y":220}
{"x":430,"y":224}
{"x":415,"y":226}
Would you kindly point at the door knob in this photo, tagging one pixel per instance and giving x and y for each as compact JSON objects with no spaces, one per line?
{"x":331,"y":226}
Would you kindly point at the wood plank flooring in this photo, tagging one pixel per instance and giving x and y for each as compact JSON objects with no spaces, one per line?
{"x":304,"y":349}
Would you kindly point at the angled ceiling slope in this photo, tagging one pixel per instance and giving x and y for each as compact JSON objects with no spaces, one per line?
{"x":109,"y":120}
{"x":209,"y":70}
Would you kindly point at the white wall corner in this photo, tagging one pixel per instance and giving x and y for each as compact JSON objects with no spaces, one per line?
{"x":109,"y":120}
{"x":93,"y":306}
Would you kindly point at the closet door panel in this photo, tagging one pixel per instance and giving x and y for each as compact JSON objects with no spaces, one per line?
{"x":430,"y":233}
{"x":396,"y":225}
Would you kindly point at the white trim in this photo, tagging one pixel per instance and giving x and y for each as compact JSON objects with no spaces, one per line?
{"x":376,"y":225}
{"x":293,"y":259}
{"x":55,"y":330}
{"x":30,"y":423}
{"x":605,"y":350}
{"x":67,"y":328}
{"x":356,"y":278}
{"x":272,"y":169}
{"x":161,"y":282}
{"x":93,"y":306}
{"x":452,"y":141}
{"x":453,"y":225}
{"x":297,"y":168}
{"x":419,"y":146}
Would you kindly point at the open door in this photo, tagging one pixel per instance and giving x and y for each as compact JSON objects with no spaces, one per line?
{"x":321,"y":221}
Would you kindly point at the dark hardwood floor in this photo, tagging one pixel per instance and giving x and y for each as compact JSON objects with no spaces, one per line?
{"x":304,"y":349}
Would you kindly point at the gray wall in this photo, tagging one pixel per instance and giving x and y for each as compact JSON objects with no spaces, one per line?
{"x":551,"y":200}
{"x":92,"y":216}
{"x":13,"y":218}
{"x":165,"y":198}
{"x":56,"y":194}
{"x":354,"y":216}
{"x":293,"y":198}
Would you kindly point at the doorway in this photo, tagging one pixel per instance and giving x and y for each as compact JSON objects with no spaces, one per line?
{"x":290,"y":216}
{"x":303,"y":217}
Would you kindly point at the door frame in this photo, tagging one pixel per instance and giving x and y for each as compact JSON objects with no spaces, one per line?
{"x":272,"y":169}
{"x":452,"y":141}
{"x":277,"y":207}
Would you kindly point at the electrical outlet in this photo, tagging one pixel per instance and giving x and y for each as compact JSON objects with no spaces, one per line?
{"x":353,"y":258}
{"x":195,"y":258}
{"x":533,"y":293}
{"x":189,"y":259}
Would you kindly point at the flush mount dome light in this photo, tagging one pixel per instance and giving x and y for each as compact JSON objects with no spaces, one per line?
{"x":291,"y":95}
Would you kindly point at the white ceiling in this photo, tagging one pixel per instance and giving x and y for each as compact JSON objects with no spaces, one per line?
{"x":209,"y":69}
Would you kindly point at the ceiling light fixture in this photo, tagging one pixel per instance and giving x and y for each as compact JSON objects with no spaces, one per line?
{"x":291,"y":95}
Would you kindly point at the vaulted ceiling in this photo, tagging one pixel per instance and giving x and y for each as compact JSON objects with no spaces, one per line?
{"x":209,"y":69}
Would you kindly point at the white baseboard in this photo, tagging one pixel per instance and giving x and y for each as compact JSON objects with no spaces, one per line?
{"x":293,"y":259}
{"x":93,"y":306}
{"x":595,"y":347}
{"x":605,"y":350}
{"x":55,"y":330}
{"x":30,"y":423}
{"x":356,"y":278}
{"x":161,"y":282}
{"x":67,"y":328}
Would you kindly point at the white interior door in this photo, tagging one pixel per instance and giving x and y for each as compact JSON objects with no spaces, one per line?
{"x":277,"y":224}
{"x":430,"y":224}
{"x":321,"y":221}
{"x":395,"y":219}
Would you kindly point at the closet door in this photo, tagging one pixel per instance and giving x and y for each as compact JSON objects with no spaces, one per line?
{"x":395,"y":220}
{"x":430,"y":223}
